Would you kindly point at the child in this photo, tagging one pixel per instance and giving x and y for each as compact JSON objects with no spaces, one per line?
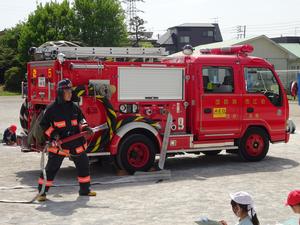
{"x":9,"y":136}
{"x":293,"y":200}
{"x":242,"y":206}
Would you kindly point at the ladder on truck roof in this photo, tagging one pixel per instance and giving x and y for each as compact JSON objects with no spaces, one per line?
{"x":51,"y":53}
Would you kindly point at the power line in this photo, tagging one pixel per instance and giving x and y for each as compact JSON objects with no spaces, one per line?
{"x":274,"y":24}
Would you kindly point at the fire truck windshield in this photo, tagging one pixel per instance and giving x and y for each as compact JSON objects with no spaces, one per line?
{"x":262,"y":80}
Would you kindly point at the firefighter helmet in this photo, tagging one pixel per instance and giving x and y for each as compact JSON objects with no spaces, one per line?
{"x":61,"y":86}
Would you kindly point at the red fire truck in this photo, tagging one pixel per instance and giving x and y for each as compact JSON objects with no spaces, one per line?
{"x":222,"y":99}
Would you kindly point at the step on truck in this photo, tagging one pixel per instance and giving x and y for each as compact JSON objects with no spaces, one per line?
{"x":221,"y":99}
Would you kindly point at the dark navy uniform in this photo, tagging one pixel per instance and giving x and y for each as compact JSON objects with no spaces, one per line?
{"x":9,"y":137}
{"x":60,"y":120}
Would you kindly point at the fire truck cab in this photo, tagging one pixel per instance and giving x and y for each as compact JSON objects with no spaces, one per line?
{"x":222,"y":99}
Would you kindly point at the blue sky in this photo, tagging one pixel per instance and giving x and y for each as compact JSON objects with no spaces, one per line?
{"x":272,"y":18}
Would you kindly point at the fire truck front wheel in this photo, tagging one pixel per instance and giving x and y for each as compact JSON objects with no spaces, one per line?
{"x":136,"y":153}
{"x":254,"y":145}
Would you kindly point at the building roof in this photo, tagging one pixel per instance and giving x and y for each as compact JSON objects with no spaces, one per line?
{"x":165,"y":39}
{"x":292,"y":47}
{"x":194,"y":25}
{"x":234,"y":42}
{"x":287,"y":39}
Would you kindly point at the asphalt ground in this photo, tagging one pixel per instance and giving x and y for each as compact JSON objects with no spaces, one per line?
{"x":199,"y":186}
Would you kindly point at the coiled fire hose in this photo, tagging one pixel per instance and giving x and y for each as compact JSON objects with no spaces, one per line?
{"x":43,"y":169}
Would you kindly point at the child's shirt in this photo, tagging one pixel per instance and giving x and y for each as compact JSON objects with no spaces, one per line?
{"x":245,"y":221}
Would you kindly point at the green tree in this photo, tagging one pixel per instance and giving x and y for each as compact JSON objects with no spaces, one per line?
{"x":9,"y":56}
{"x":100,"y":22}
{"x":49,"y":22}
{"x":91,"y":22}
{"x":138,"y":30}
{"x":13,"y":79}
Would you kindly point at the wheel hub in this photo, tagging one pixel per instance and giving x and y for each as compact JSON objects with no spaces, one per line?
{"x":255,"y":145}
{"x":138,"y":154}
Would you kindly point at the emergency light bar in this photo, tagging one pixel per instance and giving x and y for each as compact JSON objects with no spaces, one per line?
{"x":237,"y":49}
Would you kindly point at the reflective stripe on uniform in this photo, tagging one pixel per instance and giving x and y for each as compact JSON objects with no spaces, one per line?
{"x":53,"y":150}
{"x":64,"y":152}
{"x":60,"y":124}
{"x":79,"y":149}
{"x":74,"y":122}
{"x":84,"y":179}
{"x":49,"y":183}
{"x":49,"y":131}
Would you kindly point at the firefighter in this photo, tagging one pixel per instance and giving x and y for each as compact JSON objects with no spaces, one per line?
{"x":9,"y":136}
{"x":61,"y":119}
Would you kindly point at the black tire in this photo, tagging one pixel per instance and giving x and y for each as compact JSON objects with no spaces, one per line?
{"x":254,"y":145}
{"x":211,"y":153}
{"x":136,"y":153}
{"x":24,"y":116}
{"x":116,"y":162}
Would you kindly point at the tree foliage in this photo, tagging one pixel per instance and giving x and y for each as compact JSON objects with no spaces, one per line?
{"x":13,"y":79}
{"x":100,"y":22}
{"x":9,"y":56}
{"x":138,"y":30}
{"x":49,"y":22}
{"x":91,"y":22}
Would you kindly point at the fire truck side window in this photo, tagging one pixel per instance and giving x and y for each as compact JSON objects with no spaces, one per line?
{"x":218,"y":79}
{"x":262,"y":80}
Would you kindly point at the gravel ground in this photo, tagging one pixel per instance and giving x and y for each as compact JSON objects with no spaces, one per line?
{"x":199,"y":187}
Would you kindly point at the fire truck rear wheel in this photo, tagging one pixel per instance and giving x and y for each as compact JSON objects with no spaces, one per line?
{"x":136,"y":153}
{"x":254,"y":145}
{"x":24,"y":116}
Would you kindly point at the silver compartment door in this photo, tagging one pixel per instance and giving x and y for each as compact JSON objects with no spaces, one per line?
{"x":140,"y":83}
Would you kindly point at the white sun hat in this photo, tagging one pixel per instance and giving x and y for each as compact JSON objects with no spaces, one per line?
{"x":244,"y":198}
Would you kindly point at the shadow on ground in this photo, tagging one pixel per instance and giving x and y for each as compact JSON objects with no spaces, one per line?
{"x":182,"y":168}
{"x":67,"y":208}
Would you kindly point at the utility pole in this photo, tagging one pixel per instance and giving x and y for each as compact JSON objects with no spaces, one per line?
{"x":131,"y":12}
{"x":215,"y":19}
{"x":241,"y":31}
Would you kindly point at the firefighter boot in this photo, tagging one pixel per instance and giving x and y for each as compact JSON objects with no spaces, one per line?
{"x":91,"y":194}
{"x":41,"y":198}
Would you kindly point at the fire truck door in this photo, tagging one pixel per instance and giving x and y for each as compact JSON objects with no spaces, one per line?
{"x":263,"y":99}
{"x":220,"y":101}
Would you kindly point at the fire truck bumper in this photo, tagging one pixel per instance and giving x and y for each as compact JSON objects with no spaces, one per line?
{"x":287,"y":137}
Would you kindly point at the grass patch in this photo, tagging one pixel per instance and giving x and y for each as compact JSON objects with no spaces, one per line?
{"x":7,"y":93}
